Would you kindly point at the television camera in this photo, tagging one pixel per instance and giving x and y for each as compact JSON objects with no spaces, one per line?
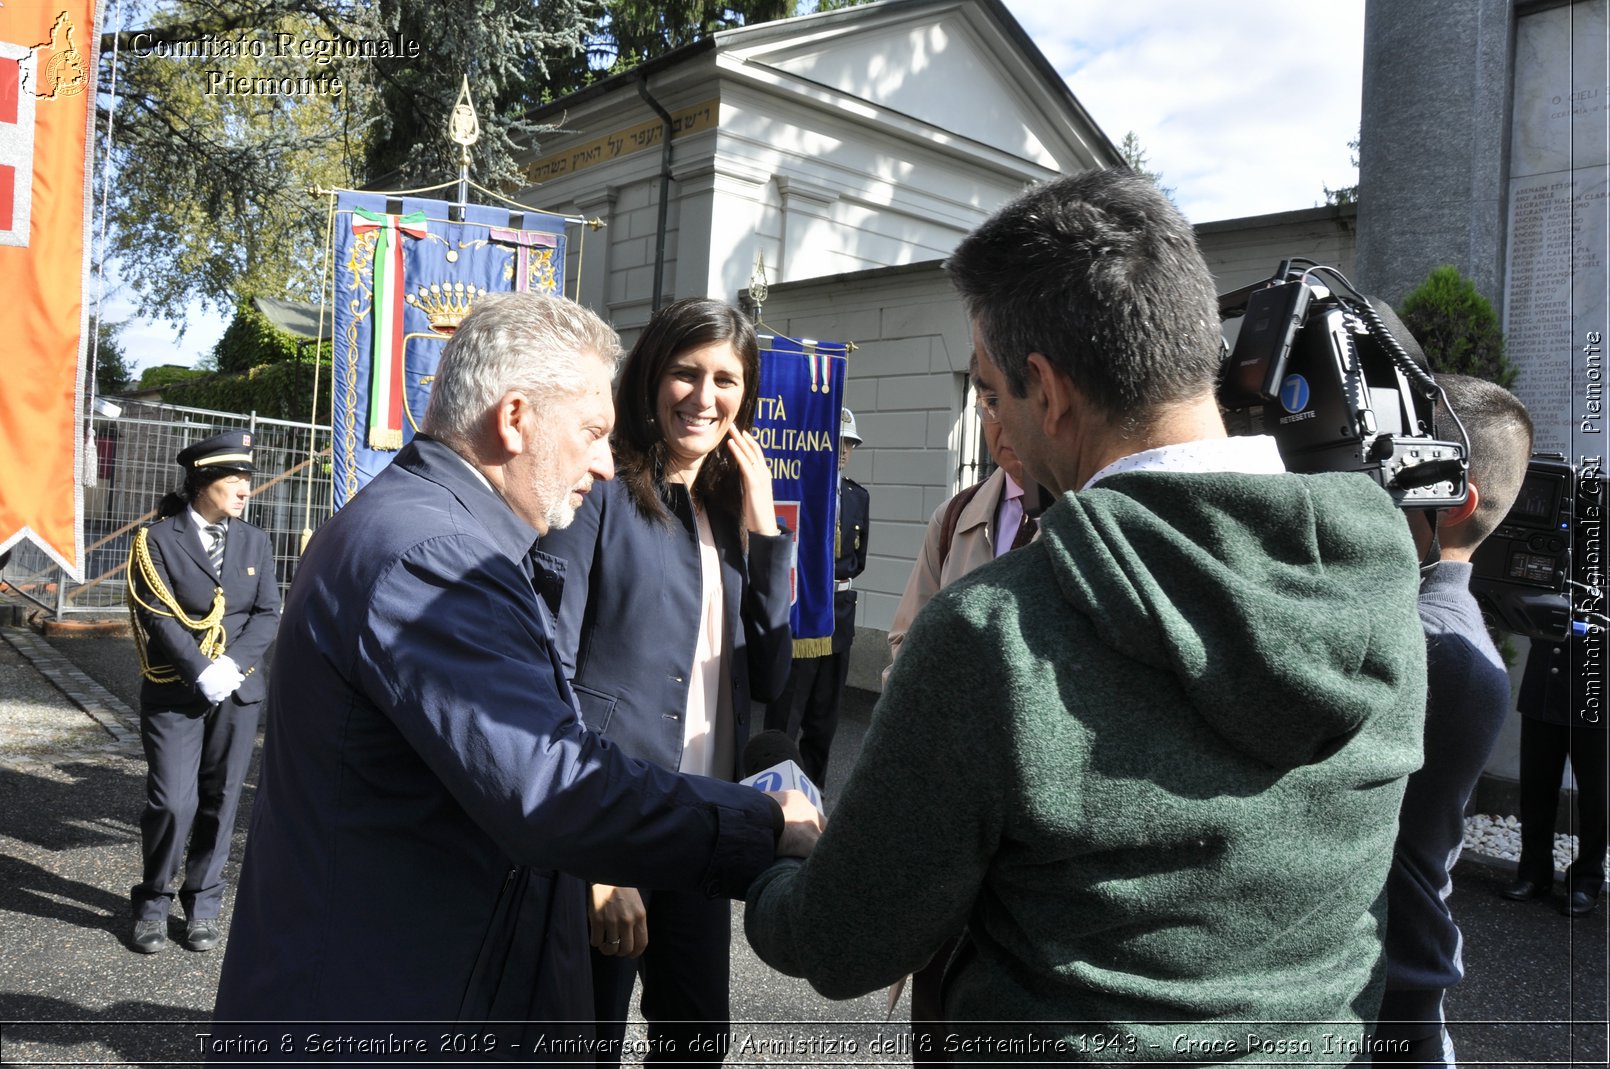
{"x":1541,"y":573}
{"x":1328,"y":373}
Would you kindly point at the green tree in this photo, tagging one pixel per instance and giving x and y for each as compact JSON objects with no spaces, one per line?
{"x":211,"y":196}
{"x":1346,"y":194}
{"x":212,"y":173}
{"x":223,"y":125}
{"x":511,"y":50}
{"x":630,"y":32}
{"x":251,"y":341}
{"x":635,"y":31}
{"x":113,"y":372}
{"x":1457,"y":327}
{"x":1135,"y":156}
{"x":162,"y":376}
{"x":256,"y":367}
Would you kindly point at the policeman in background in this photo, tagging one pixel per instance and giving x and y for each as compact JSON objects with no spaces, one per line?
{"x":1559,"y":722}
{"x":204,"y":606}
{"x":809,"y":705}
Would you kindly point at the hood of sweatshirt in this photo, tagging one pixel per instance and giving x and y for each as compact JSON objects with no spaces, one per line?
{"x":1259,"y":593}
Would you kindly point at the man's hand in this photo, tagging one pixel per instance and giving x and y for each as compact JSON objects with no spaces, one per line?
{"x":617,"y":920}
{"x":802,"y":824}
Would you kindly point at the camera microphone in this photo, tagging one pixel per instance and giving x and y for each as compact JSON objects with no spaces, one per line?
{"x":771,"y":763}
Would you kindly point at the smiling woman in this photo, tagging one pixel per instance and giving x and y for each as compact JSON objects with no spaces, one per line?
{"x":675,"y":615}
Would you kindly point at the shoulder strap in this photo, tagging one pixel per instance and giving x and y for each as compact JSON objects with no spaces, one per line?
{"x":953,"y":515}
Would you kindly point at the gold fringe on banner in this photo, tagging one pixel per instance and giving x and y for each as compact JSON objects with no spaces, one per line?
{"x":382,"y":438}
{"x":813,"y":647}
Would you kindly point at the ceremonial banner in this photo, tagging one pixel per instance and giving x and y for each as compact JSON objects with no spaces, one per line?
{"x":405,"y":276}
{"x":797,"y":421}
{"x":47,"y":91}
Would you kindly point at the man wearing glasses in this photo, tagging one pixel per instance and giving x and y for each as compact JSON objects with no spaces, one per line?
{"x":973,"y":527}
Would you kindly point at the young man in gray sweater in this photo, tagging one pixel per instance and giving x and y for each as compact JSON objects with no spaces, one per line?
{"x":1151,"y":762}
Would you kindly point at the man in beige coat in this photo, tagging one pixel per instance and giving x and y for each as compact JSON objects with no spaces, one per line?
{"x":966,"y":531}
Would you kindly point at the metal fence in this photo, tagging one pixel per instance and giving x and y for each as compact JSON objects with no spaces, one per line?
{"x":134,"y":466}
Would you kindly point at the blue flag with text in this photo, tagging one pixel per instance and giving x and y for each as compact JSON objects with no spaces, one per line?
{"x":797,"y":422}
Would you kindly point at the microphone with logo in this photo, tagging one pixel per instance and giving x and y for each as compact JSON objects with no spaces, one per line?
{"x":771,"y":763}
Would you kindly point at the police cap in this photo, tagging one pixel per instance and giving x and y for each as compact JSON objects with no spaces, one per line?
{"x":229,"y":451}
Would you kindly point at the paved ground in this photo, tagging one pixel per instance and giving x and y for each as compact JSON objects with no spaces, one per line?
{"x":71,"y":993}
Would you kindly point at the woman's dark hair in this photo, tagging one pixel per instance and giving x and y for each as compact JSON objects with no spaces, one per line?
{"x":639,"y":441}
{"x":195,"y":481}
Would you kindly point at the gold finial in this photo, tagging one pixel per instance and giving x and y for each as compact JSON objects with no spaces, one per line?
{"x":757,"y":281}
{"x":463,"y":127}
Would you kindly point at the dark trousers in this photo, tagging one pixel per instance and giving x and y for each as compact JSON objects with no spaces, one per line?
{"x":196,"y":760}
{"x":809,"y":706}
{"x":1544,"y":749}
{"x":685,"y":973}
{"x":1412,"y":1031}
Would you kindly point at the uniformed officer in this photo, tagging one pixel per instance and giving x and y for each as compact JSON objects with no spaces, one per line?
{"x":810,"y":703}
{"x":204,"y":605}
{"x":1558,"y":721}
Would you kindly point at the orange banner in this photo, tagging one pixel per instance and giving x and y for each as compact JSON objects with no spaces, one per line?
{"x":47,"y":93}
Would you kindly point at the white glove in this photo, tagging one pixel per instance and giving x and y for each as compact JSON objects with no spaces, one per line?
{"x":219,"y":680}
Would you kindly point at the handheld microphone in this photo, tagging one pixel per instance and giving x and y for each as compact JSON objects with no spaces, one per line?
{"x":771,"y":763}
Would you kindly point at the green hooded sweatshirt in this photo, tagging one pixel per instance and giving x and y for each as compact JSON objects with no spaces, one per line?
{"x":1152,"y":763}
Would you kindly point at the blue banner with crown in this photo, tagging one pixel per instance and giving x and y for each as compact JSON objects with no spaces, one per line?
{"x":797,"y":422}
{"x":407,"y":271}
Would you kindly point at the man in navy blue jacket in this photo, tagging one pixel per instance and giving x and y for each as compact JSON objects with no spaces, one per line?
{"x":431,"y":807}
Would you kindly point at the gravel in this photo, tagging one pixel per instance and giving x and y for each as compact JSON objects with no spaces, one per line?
{"x":1500,"y":837}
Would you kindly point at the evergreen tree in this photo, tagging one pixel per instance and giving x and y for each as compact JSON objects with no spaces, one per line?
{"x":216,"y":147}
{"x":1457,"y":327}
{"x":1135,"y":156}
{"x":228,"y":113}
{"x":113,"y":373}
{"x":1346,"y":194}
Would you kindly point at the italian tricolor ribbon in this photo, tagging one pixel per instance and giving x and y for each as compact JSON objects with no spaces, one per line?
{"x":386,"y":349}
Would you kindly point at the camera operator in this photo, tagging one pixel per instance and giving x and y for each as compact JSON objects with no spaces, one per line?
{"x":1467,"y":700}
{"x":1153,"y":760}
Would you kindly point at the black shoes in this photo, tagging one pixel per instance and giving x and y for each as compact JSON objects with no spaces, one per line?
{"x":1524,"y":890}
{"x":1579,"y":904}
{"x":199,"y":935}
{"x":1576,"y":904}
{"x":150,"y":936}
{"x":203,"y":934}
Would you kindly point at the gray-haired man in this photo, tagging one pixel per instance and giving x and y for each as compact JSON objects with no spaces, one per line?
{"x":432,"y":807}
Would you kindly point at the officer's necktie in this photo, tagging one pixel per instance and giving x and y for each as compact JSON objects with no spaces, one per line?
{"x":216,"y":553}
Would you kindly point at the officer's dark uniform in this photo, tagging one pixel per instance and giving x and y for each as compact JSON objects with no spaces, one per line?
{"x":185,"y":615}
{"x":1559,"y":721}
{"x":810,"y":702}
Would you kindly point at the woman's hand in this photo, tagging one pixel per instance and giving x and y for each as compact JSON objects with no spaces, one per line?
{"x":760,"y":514}
{"x":617,"y":920}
